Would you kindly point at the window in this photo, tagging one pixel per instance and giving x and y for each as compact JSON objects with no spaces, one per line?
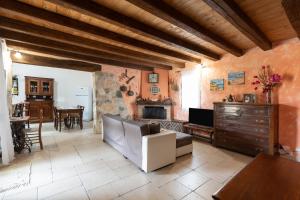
{"x":190,"y":92}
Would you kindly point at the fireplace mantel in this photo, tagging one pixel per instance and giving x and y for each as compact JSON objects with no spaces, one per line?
{"x":150,"y":102}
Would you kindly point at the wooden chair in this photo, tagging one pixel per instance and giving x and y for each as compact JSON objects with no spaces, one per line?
{"x":75,"y":118}
{"x":63,"y":118}
{"x":26,"y":111}
{"x":55,"y":114}
{"x":35,"y":137}
{"x":21,"y":110}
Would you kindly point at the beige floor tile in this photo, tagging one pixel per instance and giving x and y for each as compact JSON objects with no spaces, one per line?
{"x":148,"y":192}
{"x":193,"y":180}
{"x":117,"y":162}
{"x":77,"y":193}
{"x":208,"y":189}
{"x":91,"y":166}
{"x":193,"y":196}
{"x":127,"y":184}
{"x":105,"y":192}
{"x":221,"y":171}
{"x":175,"y":189}
{"x":30,"y":194}
{"x":58,"y":187}
{"x":41,"y":178}
{"x":127,"y":170}
{"x":63,"y":173}
{"x":98,"y":178}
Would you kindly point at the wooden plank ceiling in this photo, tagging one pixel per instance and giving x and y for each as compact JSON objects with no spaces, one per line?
{"x":141,"y":34}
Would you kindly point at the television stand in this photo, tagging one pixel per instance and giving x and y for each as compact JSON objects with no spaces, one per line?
{"x":202,"y":132}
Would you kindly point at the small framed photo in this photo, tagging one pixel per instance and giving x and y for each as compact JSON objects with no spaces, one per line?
{"x":153,"y":78}
{"x":249,"y":98}
{"x":154,"y":90}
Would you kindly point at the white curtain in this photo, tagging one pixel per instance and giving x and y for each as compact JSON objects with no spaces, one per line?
{"x":190,"y":92}
{"x":7,"y":147}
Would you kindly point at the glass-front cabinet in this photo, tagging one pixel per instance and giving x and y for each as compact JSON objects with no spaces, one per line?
{"x":38,"y":86}
{"x":46,"y":87}
{"x":34,"y":85}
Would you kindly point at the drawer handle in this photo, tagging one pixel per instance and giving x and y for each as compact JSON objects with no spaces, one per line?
{"x":259,"y":130}
{"x":259,"y":121}
{"x":258,"y":149}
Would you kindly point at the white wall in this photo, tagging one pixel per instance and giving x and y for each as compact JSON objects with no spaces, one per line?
{"x":66,"y":82}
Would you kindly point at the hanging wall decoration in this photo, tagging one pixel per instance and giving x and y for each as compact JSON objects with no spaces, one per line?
{"x":236,"y":78}
{"x":154,"y":89}
{"x":217,"y":85}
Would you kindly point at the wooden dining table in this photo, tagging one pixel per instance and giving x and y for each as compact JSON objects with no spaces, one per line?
{"x":17,"y":125}
{"x":69,"y":111}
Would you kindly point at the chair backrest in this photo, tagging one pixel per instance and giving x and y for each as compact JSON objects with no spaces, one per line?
{"x":55,"y":111}
{"x":41,"y":121}
{"x":18,"y":110}
{"x":26,"y":109}
{"x":81,"y":107}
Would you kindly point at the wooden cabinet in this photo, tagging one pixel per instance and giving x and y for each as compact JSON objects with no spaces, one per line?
{"x":246,"y":128}
{"x":39,"y":93}
{"x":38,"y":86}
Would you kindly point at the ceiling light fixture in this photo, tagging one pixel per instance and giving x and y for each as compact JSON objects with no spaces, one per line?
{"x":18,"y":54}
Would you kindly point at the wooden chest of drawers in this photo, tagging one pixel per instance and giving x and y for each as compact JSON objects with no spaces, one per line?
{"x":246,"y":128}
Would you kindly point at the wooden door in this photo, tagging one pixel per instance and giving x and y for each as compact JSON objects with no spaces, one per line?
{"x":46,"y":87}
{"x":32,"y":86}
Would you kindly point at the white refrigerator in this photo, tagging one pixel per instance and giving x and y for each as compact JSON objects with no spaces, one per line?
{"x":84,"y":97}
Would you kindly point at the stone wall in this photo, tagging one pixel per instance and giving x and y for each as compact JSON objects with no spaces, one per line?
{"x":107,"y":98}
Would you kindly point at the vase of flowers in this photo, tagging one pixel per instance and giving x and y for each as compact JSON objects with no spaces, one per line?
{"x":267,"y":81}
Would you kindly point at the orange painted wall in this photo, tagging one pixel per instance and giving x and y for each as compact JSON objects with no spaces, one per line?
{"x":284,"y":59}
{"x":135,"y":84}
{"x":163,"y":84}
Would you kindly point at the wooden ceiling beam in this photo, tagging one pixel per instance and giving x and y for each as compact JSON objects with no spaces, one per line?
{"x":103,"y":13}
{"x":25,"y":9}
{"x":25,"y":38}
{"x":168,"y":13}
{"x":236,"y":16}
{"x":47,"y":33}
{"x":292,"y":10}
{"x":56,"y":63}
{"x":19,"y":46}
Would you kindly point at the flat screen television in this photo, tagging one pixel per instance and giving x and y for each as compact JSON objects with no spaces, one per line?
{"x":204,"y":117}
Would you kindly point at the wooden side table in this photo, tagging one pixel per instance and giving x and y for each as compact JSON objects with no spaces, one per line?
{"x":199,"y":131}
{"x":266,"y":177}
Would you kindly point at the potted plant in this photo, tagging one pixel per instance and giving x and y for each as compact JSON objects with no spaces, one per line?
{"x":267,"y":81}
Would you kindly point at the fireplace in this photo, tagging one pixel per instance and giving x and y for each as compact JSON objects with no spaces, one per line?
{"x":154,"y":112}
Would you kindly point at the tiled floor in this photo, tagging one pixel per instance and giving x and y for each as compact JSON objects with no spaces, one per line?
{"x":78,"y":165}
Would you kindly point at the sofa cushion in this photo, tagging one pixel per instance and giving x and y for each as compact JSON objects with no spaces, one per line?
{"x":144,"y":128}
{"x":154,"y":128}
{"x":183,"y":139}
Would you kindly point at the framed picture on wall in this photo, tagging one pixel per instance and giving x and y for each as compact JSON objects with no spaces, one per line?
{"x":153,"y":78}
{"x":154,"y":89}
{"x":217,"y":85}
{"x":236,"y":78}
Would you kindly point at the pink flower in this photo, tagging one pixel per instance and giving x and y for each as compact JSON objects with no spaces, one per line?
{"x":257,"y":82}
{"x":275,"y":78}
